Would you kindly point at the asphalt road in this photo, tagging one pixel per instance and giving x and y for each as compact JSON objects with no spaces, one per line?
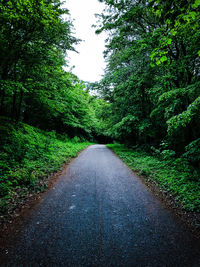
{"x":100,"y":214}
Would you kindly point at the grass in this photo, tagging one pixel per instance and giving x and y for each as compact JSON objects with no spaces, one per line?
{"x":173,"y":176}
{"x":28,"y":155}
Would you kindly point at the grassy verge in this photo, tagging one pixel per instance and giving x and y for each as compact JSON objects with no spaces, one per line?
{"x":172,"y":176}
{"x":27,"y":156}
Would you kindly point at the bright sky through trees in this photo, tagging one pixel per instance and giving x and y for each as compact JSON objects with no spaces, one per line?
{"x":89,"y":62}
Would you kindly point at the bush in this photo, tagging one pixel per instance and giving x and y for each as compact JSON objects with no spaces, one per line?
{"x":192,"y":153}
{"x":76,"y":139}
{"x":168,"y":154}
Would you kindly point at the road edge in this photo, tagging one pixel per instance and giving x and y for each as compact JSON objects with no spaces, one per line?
{"x":188,"y":218}
{"x":13,"y":222}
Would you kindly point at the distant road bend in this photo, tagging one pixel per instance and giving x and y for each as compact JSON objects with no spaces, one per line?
{"x":100,"y":214}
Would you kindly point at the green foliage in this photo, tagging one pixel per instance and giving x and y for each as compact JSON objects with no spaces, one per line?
{"x":34,"y":39}
{"x":192,"y":153}
{"x":182,"y":120}
{"x":34,"y":88}
{"x":152,"y":75}
{"x":167,"y":154}
{"x":28,"y":155}
{"x":149,"y":96}
{"x":46,"y":113}
{"x":172,"y":176}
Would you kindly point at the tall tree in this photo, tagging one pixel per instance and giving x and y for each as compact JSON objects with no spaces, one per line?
{"x":29,"y":31}
{"x":152,"y":77}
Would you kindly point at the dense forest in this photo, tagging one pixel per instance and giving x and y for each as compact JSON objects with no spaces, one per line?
{"x":149,"y":97}
{"x":46,"y":113}
{"x":152,"y":77}
{"x":35,"y":89}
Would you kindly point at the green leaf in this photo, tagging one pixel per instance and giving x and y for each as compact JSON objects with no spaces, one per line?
{"x":162,"y":59}
{"x":196,"y":3}
{"x":169,"y":41}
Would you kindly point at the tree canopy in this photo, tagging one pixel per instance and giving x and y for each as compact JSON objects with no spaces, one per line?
{"x":152,"y":77}
{"x":34,"y":88}
{"x":150,"y":91}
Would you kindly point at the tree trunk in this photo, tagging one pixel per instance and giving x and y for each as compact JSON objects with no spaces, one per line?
{"x":2,"y":101}
{"x":13,"y":112}
{"x":20,"y":105}
{"x":2,"y":90}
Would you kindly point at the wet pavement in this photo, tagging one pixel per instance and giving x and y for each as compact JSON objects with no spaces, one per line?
{"x":100,"y":214}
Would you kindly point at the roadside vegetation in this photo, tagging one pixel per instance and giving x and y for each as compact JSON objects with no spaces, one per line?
{"x":149,"y":97}
{"x":152,"y":81}
{"x":174,"y":176}
{"x":28,"y":155}
{"x":46,"y":113}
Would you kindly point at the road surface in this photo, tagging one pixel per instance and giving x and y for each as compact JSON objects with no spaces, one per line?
{"x":100,"y":214}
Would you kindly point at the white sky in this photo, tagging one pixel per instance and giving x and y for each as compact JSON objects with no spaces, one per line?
{"x":89,"y":63}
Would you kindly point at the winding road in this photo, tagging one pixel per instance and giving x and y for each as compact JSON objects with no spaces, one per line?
{"x":100,"y":214}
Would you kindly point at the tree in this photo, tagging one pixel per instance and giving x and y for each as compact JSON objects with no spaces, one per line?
{"x":152,"y":77}
{"x":30,"y":30}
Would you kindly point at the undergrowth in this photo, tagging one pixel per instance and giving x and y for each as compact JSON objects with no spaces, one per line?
{"x":28,"y":155}
{"x":173,"y":176}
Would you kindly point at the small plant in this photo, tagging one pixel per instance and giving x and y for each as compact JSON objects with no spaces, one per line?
{"x":168,"y":154}
{"x":76,"y":139}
